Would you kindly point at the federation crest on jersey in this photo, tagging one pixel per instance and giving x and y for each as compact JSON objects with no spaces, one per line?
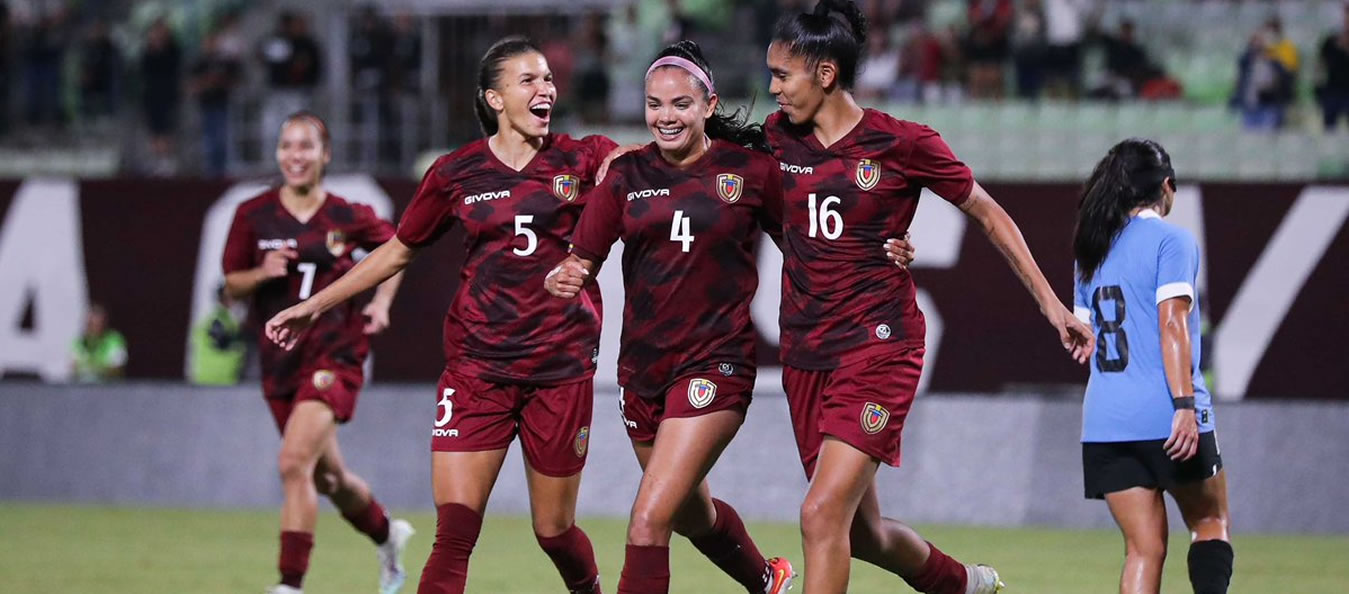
{"x":729,"y":187}
{"x":566,"y":187}
{"x":581,"y":442}
{"x":323,"y":379}
{"x":701,"y":392}
{"x":336,"y":242}
{"x":874,"y":418}
{"x":868,"y":174}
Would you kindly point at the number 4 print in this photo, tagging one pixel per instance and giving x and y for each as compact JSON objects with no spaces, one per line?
{"x":679,"y":230}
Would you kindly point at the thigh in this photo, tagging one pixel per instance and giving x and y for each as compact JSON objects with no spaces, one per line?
{"x":465,"y":478}
{"x":472,"y":415}
{"x":555,"y":427}
{"x":335,"y":384}
{"x":681,"y":456}
{"x":1141,"y":515}
{"x":552,"y":500}
{"x":308,"y":429}
{"x":804,"y":389}
{"x":1204,"y":502}
{"x":865,"y":404}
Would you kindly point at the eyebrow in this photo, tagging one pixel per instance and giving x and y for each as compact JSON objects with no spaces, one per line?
{"x":679,"y":98}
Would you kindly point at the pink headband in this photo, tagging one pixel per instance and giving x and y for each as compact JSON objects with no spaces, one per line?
{"x":686,"y":65}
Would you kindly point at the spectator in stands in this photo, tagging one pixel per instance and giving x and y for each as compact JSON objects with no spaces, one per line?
{"x":1029,"y":49}
{"x":43,"y":53}
{"x":1333,"y":92}
{"x":100,"y":71}
{"x":879,"y":72}
{"x":1065,"y":28}
{"x":215,"y":75}
{"x":987,"y":46}
{"x":1264,"y":86}
{"x":293,"y":63}
{"x":161,"y":68}
{"x":592,"y":70}
{"x":1126,"y":65}
{"x":218,"y":347}
{"x":1280,"y":47}
{"x":99,"y":354}
{"x":406,"y":58}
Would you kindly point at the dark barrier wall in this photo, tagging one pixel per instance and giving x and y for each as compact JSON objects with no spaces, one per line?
{"x":1274,"y":281}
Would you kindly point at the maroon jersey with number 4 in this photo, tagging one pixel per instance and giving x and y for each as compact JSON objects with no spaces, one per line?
{"x":324,"y":243}
{"x":502,"y":325}
{"x":842,"y":299}
{"x":689,"y":238}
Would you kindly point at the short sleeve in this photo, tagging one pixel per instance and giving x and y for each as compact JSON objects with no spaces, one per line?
{"x":1081,"y":304}
{"x":239,"y":252}
{"x":598,"y":147}
{"x":1177,"y":266}
{"x":931,"y":164}
{"x":601,"y":222}
{"x":770,"y":218}
{"x":431,"y":212}
{"x":371,"y":230}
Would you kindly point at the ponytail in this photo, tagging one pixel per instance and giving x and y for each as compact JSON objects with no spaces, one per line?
{"x":819,"y":35}
{"x":489,"y":76}
{"x":1130,"y":176}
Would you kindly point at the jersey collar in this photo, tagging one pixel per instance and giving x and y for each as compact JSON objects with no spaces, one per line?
{"x":1148,"y":213}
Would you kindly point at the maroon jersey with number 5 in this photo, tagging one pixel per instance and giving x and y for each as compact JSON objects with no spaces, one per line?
{"x":324,"y":243}
{"x":502,"y":325}
{"x":689,"y":238}
{"x":842,"y":299}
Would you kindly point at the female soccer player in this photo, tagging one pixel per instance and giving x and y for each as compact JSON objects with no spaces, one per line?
{"x":283,"y":246}
{"x":851,"y":331}
{"x":689,"y":208}
{"x":1147,"y":424}
{"x":518,"y":362}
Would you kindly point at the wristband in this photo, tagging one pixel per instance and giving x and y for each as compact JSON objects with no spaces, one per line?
{"x":1183,"y":403}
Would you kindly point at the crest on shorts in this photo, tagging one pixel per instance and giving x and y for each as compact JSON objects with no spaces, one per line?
{"x":566,"y":187}
{"x":581,"y":442}
{"x":868,"y":173}
{"x":874,"y":418}
{"x":701,"y":392}
{"x":323,"y":379}
{"x":729,"y":187}
{"x":337,"y":243}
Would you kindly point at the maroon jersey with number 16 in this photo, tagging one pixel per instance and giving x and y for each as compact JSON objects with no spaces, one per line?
{"x":842,"y":299}
{"x":502,"y":326}
{"x":689,"y":272}
{"x":324,"y":243}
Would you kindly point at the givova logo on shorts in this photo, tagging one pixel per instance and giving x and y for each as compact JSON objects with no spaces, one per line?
{"x":874,"y":418}
{"x":701,"y":392}
{"x":444,"y":412}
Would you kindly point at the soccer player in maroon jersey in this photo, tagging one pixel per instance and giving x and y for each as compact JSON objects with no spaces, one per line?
{"x":283,"y":246}
{"x":518,"y":361}
{"x":689,"y":208}
{"x":851,"y":332}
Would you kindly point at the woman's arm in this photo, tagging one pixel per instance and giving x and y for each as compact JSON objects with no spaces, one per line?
{"x":1173,"y":321}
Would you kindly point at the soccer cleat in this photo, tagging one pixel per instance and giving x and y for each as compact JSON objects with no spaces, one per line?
{"x":778,"y":576}
{"x":982,"y":579}
{"x":283,"y":589}
{"x":391,"y":574}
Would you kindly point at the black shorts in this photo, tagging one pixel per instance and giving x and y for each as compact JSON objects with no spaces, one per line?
{"x":1108,"y":467}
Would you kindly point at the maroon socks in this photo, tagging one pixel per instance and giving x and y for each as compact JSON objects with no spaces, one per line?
{"x":729,"y":546}
{"x":446,"y":571}
{"x":646,"y":570}
{"x":574,"y":557}
{"x":939,"y":575}
{"x":294,"y":561}
{"x":372,"y":521}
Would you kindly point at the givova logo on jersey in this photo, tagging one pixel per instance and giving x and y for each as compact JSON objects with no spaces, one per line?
{"x":444,"y":412}
{"x":874,"y":418}
{"x":701,"y":392}
{"x":868,"y":174}
{"x":566,"y":187}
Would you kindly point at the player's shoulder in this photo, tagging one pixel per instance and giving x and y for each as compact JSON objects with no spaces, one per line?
{"x":741,"y":157}
{"x":468,"y":158}
{"x":635,"y":159}
{"x":569,"y":143}
{"x":267,"y":199}
{"x":341,"y":204}
{"x":901,"y":130}
{"x":1163,"y":230}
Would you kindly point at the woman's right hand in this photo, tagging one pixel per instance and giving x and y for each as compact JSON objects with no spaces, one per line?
{"x":276,"y":263}
{"x":1184,"y":441}
{"x":567,"y":279}
{"x":286,"y":327}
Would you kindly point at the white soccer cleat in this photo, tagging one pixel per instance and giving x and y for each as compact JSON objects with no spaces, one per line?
{"x":391,"y":574}
{"x":982,"y":579}
{"x":778,"y":576}
{"x":283,"y":589}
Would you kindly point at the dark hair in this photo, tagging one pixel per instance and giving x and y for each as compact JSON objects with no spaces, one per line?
{"x":819,"y":35}
{"x":732,"y":127}
{"x":489,"y":76}
{"x":1130,"y":176}
{"x":312,"y":119}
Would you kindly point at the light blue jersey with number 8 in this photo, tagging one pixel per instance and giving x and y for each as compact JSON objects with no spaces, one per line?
{"x":1127,"y":396}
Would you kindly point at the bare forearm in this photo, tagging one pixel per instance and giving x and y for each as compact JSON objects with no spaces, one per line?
{"x":380,"y":266}
{"x":388,"y":289}
{"x":1006,"y":236}
{"x":1176,"y":354}
{"x":242,"y":283}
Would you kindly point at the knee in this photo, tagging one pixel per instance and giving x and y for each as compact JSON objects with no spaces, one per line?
{"x":1151,"y":549}
{"x":821,"y":517}
{"x":327,"y":482}
{"x":552,"y":525}
{"x":648,"y":526}
{"x":294,"y":466}
{"x":1209,"y":527}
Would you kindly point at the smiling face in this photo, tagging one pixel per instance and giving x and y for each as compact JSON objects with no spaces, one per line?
{"x":677,"y":109}
{"x":301,"y":153}
{"x":524,"y":95}
{"x":795,"y":84}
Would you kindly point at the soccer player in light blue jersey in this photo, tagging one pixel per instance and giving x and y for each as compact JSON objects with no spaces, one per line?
{"x":1147,"y":423}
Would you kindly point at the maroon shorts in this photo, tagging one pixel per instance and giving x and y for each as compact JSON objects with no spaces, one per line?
{"x":329,"y":383}
{"x":691,"y":395}
{"x":862,"y":404}
{"x":553,"y":422}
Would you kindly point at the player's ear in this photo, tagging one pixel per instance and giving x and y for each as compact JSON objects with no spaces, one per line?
{"x":711,"y":106}
{"x":494,"y":100}
{"x":826,"y":73}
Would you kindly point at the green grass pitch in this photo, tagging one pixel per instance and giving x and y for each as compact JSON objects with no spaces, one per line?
{"x":98,"y":550}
